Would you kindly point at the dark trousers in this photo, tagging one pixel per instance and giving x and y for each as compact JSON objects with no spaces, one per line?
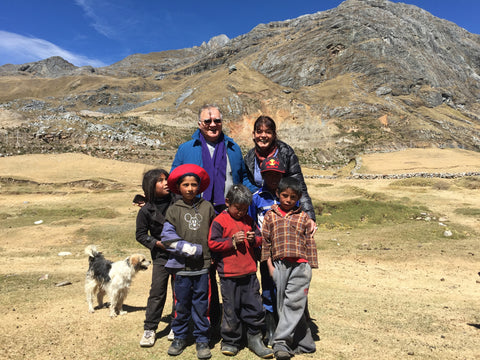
{"x":241,"y":304}
{"x":157,"y":297}
{"x":192,"y":293}
{"x":269,"y":298}
{"x":214,"y":309}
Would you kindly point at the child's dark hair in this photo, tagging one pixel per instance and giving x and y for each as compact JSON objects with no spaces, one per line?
{"x":149,"y":183}
{"x":180,"y":179}
{"x":239,"y":194}
{"x":290,"y":183}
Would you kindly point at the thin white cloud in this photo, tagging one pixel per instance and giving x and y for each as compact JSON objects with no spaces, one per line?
{"x":19,"y":49}
{"x":98,"y":23}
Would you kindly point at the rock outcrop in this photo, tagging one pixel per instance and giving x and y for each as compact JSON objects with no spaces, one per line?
{"x":369,"y":75}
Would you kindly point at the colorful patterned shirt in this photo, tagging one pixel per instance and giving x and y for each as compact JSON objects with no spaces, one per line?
{"x":287,"y":236}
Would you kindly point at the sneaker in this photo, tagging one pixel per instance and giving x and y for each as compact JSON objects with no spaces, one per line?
{"x":203,"y":351}
{"x":170,"y":335}
{"x":229,"y":350}
{"x":177,"y":347}
{"x":148,"y":338}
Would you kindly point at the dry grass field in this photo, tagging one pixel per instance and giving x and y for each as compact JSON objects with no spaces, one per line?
{"x":390,"y":284}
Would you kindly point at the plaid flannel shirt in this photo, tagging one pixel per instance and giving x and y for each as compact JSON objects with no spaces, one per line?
{"x":288,"y":237}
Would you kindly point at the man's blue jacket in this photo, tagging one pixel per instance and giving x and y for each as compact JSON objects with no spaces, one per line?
{"x":190,"y":152}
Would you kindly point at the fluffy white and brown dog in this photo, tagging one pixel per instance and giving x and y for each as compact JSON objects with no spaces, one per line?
{"x":110,"y":278}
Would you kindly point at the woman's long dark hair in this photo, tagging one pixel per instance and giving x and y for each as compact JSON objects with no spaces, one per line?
{"x":149,"y":183}
{"x":269,"y":123}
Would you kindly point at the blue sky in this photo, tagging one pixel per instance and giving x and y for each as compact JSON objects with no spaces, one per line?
{"x":102,"y":32}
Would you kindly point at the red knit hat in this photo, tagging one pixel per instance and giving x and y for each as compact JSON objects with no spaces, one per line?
{"x":186,"y":169}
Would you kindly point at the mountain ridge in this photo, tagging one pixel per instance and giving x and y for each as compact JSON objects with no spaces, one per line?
{"x":369,"y":75}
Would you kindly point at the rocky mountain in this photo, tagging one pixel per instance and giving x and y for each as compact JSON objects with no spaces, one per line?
{"x":369,"y":75}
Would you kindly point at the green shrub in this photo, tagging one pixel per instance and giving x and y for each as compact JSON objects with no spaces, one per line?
{"x":60,"y":215}
{"x":415,"y":181}
{"x":469,"y":182}
{"x":365,"y":213}
{"x":468,"y":211}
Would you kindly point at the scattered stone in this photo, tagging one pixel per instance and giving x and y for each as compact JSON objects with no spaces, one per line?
{"x":447,"y":233}
{"x":63,"y":283}
{"x":38,"y":222}
{"x":43,"y":277}
{"x":64,"y":253}
{"x":383,"y":90}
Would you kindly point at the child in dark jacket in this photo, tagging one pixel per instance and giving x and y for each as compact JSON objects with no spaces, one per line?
{"x":149,"y":226}
{"x":185,"y":234}
{"x":232,"y":241}
{"x":272,"y":171}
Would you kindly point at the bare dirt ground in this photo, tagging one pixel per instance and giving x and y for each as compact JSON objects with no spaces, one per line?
{"x":379,"y":292}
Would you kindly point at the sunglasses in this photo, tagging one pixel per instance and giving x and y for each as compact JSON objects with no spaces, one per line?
{"x":209,"y":121}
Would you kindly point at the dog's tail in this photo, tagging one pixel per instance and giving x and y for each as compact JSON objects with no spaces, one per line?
{"x":91,"y":251}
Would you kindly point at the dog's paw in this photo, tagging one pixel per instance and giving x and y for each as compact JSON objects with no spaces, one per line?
{"x":91,"y":311}
{"x":123,"y":312}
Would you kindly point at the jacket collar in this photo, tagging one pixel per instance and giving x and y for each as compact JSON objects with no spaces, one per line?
{"x":295,"y":210}
{"x":196,"y":204}
{"x":264,"y":190}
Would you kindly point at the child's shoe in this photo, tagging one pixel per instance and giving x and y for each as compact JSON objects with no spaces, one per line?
{"x":177,"y":347}
{"x":270,"y":325}
{"x":255,"y":344}
{"x":148,"y":338}
{"x":229,"y":350}
{"x":203,"y":351}
{"x":282,"y":355}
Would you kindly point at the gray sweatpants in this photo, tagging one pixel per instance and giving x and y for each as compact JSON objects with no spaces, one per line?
{"x":292,"y":281}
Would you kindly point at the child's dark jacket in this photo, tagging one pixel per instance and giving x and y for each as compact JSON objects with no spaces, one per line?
{"x":149,"y":226}
{"x":288,"y":237}
{"x":232,"y":262}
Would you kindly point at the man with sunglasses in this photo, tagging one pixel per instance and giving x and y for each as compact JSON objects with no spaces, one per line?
{"x":222,"y":158}
{"x":217,"y":153}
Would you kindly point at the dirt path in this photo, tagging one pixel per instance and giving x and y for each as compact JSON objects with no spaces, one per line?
{"x":418,"y":302}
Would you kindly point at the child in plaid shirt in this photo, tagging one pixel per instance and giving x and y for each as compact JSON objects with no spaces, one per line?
{"x":290,"y":252}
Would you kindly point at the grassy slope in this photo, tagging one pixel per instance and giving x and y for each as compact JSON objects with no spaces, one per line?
{"x":389,"y":282}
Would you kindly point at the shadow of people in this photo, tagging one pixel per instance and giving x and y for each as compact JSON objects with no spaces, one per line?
{"x":313,"y":328}
{"x":130,"y":309}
